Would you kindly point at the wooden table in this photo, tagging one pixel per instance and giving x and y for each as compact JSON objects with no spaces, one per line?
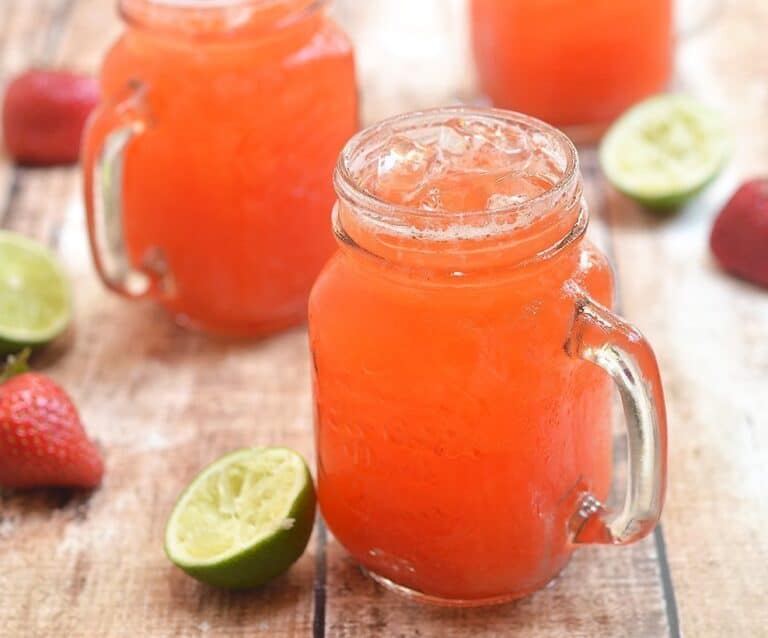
{"x":162,"y":403}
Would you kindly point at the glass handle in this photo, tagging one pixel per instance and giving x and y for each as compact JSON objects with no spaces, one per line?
{"x":109,"y":133}
{"x":599,"y":336}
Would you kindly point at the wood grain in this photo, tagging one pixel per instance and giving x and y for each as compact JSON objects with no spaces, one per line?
{"x":604,"y":592}
{"x":711,"y":336}
{"x":28,"y":33}
{"x":163,"y":402}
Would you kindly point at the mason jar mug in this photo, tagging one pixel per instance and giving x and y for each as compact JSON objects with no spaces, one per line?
{"x":208,"y":162}
{"x":463,"y":347}
{"x":578,"y":65}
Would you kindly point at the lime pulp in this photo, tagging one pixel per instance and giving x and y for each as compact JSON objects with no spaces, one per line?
{"x":244,"y":520}
{"x":35,"y":299}
{"x":664,"y":150}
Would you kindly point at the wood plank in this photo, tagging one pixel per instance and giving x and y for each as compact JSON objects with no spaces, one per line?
{"x":86,"y":36}
{"x":605,"y":592}
{"x":711,"y":335}
{"x":161,"y":403}
{"x":167,"y":402}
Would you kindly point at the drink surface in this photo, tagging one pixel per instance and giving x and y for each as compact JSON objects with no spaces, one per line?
{"x":461,"y":166}
{"x":572,"y":63}
{"x":231,"y":179}
{"x":453,"y":433}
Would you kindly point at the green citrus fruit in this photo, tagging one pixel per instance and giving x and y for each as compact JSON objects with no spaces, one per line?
{"x":664,"y":150}
{"x":35,"y":299}
{"x":244,"y":520}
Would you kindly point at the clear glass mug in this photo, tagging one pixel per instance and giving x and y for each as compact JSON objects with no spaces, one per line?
{"x":207,"y":163}
{"x":461,"y":337}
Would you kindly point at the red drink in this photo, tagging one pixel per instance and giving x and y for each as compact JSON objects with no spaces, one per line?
{"x":456,"y":437}
{"x":572,"y":63}
{"x":235,"y":114}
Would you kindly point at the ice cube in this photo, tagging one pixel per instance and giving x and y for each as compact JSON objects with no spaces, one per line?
{"x":494,"y":146}
{"x":402,"y":155}
{"x":402,"y":166}
{"x":453,"y":138}
{"x":462,"y":164}
{"x":514,"y":188}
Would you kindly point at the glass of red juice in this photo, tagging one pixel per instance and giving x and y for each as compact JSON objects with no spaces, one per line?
{"x":208,"y":162}
{"x":577,"y":64}
{"x":463,"y":348}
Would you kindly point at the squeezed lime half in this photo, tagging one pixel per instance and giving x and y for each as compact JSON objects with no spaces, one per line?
{"x":664,"y":150}
{"x":35,"y":299}
{"x":244,"y":520}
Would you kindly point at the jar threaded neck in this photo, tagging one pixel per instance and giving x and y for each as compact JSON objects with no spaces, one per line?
{"x":217,"y":17}
{"x":511,"y":187}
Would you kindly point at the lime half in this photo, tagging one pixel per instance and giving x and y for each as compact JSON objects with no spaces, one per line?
{"x":35,"y":300}
{"x":664,"y":150}
{"x":244,"y":520}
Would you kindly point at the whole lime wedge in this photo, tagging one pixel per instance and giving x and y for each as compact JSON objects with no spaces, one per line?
{"x":244,"y":520}
{"x":664,"y":150}
{"x":35,"y":299}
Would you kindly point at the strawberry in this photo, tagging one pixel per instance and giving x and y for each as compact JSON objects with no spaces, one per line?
{"x":44,"y":113}
{"x":740,"y":235}
{"x":42,"y":442}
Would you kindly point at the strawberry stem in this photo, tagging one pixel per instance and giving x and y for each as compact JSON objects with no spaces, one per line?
{"x":15,"y":365}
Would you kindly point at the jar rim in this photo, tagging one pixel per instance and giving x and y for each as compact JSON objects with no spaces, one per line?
{"x":349,"y":189}
{"x":212,"y":4}
{"x":141,"y":12}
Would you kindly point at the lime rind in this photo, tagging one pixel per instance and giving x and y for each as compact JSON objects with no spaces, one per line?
{"x":35,"y":296}
{"x":244,"y":520}
{"x":665,"y":150}
{"x":246,"y":495}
